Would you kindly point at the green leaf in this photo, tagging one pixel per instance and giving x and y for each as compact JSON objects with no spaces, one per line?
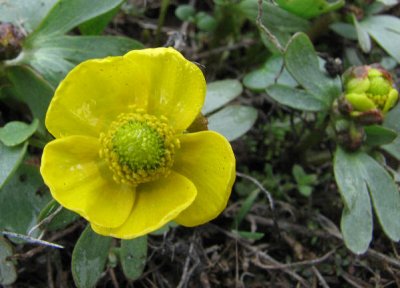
{"x":305,"y":190}
{"x":8,"y":273}
{"x":356,"y":174}
{"x":348,"y":175}
{"x":345,"y":30}
{"x":185,"y":12}
{"x":392,"y":121}
{"x":58,"y":221}
{"x":378,"y":135}
{"x":363,"y":38}
{"x":165,"y":228}
{"x":385,"y":196}
{"x":89,"y":258}
{"x":205,"y":21}
{"x":271,"y":70}
{"x":356,"y":223}
{"x":16,"y":132}
{"x":10,"y":159}
{"x":301,"y":177}
{"x":80,"y":48}
{"x":302,"y":62}
{"x":303,"y":180}
{"x":245,"y":208}
{"x":309,"y":8}
{"x":385,"y":30}
{"x":67,"y":14}
{"x":389,"y":2}
{"x":54,"y":57}
{"x":221,"y":92}
{"x":25,"y":13}
{"x":29,"y":87}
{"x":249,"y":235}
{"x":133,"y":257}
{"x":273,"y":16}
{"x":97,"y":25}
{"x":51,"y":67}
{"x":21,"y":200}
{"x":280,"y":22}
{"x":296,"y":98}
{"x":233,"y":121}
{"x":393,"y":148}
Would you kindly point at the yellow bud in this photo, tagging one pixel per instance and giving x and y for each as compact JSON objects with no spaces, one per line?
{"x":360,"y":101}
{"x":357,"y":85}
{"x":392,"y":98}
{"x":369,"y":87}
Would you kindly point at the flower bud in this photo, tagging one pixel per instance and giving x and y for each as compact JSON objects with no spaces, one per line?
{"x":369,"y":117}
{"x":349,"y":136}
{"x":10,"y":41}
{"x":369,"y":88}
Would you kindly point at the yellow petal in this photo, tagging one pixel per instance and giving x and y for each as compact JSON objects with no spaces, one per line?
{"x":156,"y":204}
{"x":207,"y":159}
{"x":176,"y":86}
{"x":81,"y":182}
{"x":158,"y":80}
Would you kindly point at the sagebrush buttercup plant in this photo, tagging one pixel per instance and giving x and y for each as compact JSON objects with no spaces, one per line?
{"x":123,"y":157}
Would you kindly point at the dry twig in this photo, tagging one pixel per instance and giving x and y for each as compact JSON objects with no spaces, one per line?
{"x":320,"y":277}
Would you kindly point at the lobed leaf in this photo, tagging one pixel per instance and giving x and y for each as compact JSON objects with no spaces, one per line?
{"x":385,"y":30}
{"x":362,"y":35}
{"x":356,"y":222}
{"x":385,"y":196}
{"x":392,"y":121}
{"x":360,"y":178}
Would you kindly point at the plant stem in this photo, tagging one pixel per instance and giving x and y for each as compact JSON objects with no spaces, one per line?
{"x":161,"y":19}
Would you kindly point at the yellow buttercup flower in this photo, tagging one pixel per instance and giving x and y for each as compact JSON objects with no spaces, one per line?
{"x":123,"y":158}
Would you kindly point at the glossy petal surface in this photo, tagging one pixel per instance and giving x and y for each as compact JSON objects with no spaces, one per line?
{"x":95,"y":92}
{"x":177,"y":86}
{"x":156,"y":204}
{"x":207,"y":159}
{"x":79,"y":181}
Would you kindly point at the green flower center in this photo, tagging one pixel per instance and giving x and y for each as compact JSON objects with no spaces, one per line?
{"x":138,"y":148}
{"x":138,"y":145}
